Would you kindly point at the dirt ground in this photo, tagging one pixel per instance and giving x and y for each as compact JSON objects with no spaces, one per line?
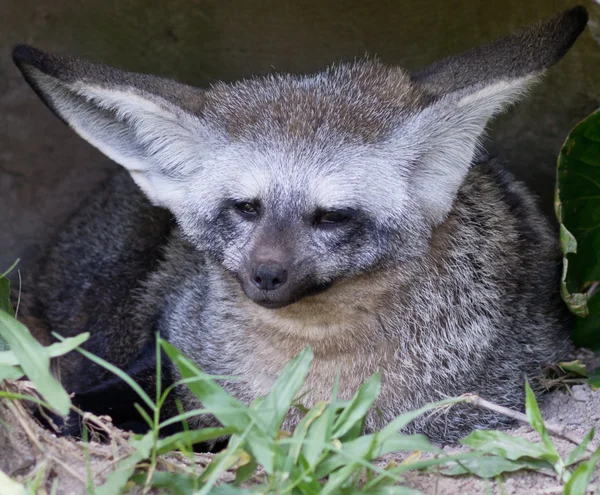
{"x":27,"y":448}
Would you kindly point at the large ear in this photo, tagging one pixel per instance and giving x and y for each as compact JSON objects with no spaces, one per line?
{"x":470,"y":88}
{"x":147,"y":124}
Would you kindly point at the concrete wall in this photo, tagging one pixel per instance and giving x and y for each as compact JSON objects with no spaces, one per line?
{"x":46,"y":170}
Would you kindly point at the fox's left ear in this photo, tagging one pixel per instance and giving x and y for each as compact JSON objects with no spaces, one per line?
{"x":469,"y":89}
{"x":149,"y":125}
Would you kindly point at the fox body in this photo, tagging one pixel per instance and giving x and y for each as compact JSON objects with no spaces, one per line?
{"x":341,"y":211}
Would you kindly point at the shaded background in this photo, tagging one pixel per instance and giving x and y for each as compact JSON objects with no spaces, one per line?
{"x":46,"y":170}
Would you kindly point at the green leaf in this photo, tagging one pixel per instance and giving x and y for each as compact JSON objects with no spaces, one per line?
{"x":594,"y":379}
{"x":358,"y":407}
{"x":227,"y":409}
{"x":501,"y":444}
{"x":5,"y":304}
{"x":317,"y":437}
{"x":9,"y":358}
{"x":10,"y":372}
{"x":245,"y":471}
{"x":234,"y":490}
{"x":35,"y":362}
{"x":113,"y":369}
{"x":579,"y":451}
{"x":575,"y":367}
{"x":490,"y":466}
{"x":384,"y":490}
{"x":66,"y":345}
{"x":372,"y":446}
{"x":301,"y":432}
{"x":117,"y":480}
{"x":180,"y":440}
{"x":223,"y":461}
{"x":278,"y":401}
{"x":404,"y":419}
{"x":580,"y":479}
{"x":11,"y":487}
{"x":586,"y":331}
{"x":11,"y":268}
{"x":534,"y":416}
{"x":577,"y":207}
{"x":175,"y":483}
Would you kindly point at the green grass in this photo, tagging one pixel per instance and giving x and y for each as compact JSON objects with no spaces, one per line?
{"x":327,"y":453}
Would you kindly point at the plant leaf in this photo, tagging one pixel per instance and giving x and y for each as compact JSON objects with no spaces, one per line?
{"x":176,"y":483}
{"x":575,"y":367}
{"x":580,"y":479}
{"x":371,"y":446}
{"x":184,"y":438}
{"x":227,"y":409}
{"x":10,"y":372}
{"x":35,"y":362}
{"x":5,"y":304}
{"x":384,"y":490}
{"x":579,"y":451}
{"x":301,"y":432}
{"x":594,"y":379}
{"x":113,"y":369}
{"x":10,"y":486}
{"x":577,"y":207}
{"x":358,"y":407}
{"x":278,"y":401}
{"x":117,"y":480}
{"x":490,"y":466}
{"x":534,"y":416}
{"x":501,"y":444}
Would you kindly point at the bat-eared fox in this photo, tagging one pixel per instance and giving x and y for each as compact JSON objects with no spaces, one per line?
{"x":343,"y":210}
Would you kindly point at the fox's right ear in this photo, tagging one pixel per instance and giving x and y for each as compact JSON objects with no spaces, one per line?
{"x":147,"y":124}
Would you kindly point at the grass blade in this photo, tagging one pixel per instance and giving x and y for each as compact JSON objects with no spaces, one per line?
{"x":499,"y":443}
{"x":278,"y":401}
{"x":182,"y":439}
{"x":358,"y":407}
{"x":117,"y":480}
{"x":491,"y":466}
{"x":35,"y":362}
{"x":534,"y":416}
{"x":113,"y":369}
{"x":579,"y":451}
{"x":580,"y":479}
{"x":10,"y":372}
{"x":5,"y":304}
{"x":10,"y":486}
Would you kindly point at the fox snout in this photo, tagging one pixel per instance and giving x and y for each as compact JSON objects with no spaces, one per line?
{"x":269,"y":276}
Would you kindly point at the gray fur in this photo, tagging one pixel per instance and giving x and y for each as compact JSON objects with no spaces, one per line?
{"x":440,"y":274}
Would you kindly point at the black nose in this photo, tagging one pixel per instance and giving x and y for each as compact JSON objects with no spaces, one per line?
{"x":269,"y":276}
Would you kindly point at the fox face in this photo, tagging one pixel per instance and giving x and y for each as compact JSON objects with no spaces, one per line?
{"x":293,"y":183}
{"x":300,"y":183}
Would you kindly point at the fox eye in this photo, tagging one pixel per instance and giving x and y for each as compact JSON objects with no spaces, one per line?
{"x":333,"y":217}
{"x":247,"y":209}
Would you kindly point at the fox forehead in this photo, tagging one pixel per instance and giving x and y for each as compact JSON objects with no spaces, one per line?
{"x":281,"y":176}
{"x":321,"y":140}
{"x":357,"y":102}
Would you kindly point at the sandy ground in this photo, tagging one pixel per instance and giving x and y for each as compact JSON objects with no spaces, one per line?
{"x":578,"y":410}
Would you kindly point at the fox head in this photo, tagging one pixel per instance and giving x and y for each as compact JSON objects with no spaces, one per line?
{"x":292,"y":183}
